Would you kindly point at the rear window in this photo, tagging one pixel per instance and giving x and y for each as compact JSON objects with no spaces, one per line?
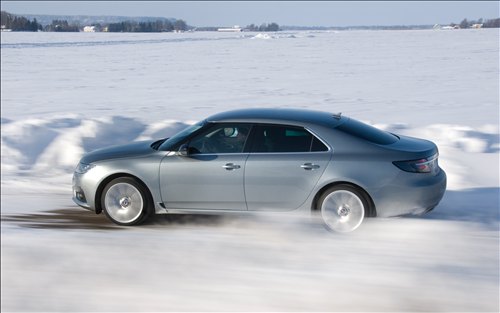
{"x":367,"y":132}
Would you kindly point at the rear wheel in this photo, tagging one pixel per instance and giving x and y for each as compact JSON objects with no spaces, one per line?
{"x":343,"y":208}
{"x":126,"y":202}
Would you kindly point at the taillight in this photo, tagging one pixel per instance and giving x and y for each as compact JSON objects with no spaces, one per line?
{"x":424,"y":165}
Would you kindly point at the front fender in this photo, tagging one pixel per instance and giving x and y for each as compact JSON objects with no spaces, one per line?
{"x":145,"y":169}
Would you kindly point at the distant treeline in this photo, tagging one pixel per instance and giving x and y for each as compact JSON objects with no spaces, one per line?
{"x":272,"y":27}
{"x":146,"y":27}
{"x":19,"y":23}
{"x":493,"y":23}
{"x":61,"y":26}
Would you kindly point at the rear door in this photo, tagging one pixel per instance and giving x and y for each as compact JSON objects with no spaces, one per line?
{"x":284,"y":165}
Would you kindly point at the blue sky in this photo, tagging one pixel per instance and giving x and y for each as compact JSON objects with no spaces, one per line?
{"x":303,"y":13}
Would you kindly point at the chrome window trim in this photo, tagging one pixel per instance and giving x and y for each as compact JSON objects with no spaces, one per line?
{"x":255,"y":153}
{"x":171,"y":153}
{"x":320,"y":139}
{"x":281,"y":153}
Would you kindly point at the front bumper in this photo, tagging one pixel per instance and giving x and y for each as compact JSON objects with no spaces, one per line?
{"x":79,"y":198}
{"x":81,"y":192}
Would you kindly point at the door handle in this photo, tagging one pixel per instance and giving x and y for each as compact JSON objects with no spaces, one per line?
{"x":231,"y":166}
{"x":309,"y":166}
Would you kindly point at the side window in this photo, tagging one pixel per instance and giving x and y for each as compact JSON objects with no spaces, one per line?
{"x":221,"y":138}
{"x":318,"y":146}
{"x":277,"y":138}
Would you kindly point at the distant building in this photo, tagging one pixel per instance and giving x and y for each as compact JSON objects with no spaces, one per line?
{"x":235,"y":28}
{"x":450,"y":27}
{"x":89,"y":29}
{"x":4,"y":28}
{"x":476,"y":26}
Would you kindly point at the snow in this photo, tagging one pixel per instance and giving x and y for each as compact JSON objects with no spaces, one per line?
{"x":66,"y":94}
{"x":261,"y":36}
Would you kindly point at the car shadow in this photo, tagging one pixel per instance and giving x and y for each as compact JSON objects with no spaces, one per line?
{"x":70,"y":218}
{"x":75,"y":218}
{"x":186,"y":219}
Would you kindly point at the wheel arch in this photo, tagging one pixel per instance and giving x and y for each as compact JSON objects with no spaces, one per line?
{"x":104,"y":182}
{"x":372,"y":211}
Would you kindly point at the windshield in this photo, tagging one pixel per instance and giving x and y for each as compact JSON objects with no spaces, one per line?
{"x":179,"y":137}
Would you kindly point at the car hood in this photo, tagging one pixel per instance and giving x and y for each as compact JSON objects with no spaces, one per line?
{"x":134,"y":149}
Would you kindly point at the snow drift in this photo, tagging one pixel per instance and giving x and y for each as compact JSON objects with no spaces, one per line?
{"x":52,"y":147}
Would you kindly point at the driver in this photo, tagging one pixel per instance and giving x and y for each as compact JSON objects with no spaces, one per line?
{"x":234,"y":139}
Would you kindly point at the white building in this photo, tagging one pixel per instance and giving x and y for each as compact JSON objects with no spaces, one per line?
{"x":89,"y":29}
{"x":235,"y":28}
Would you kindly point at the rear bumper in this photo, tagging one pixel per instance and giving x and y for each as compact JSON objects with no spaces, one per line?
{"x":410,"y":193}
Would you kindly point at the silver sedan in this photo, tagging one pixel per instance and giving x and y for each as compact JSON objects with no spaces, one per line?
{"x":276,"y":160}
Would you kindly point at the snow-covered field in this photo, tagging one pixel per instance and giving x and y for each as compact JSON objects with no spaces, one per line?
{"x":66,"y":94}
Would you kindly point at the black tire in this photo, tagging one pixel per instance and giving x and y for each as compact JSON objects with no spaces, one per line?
{"x":343,"y":208}
{"x":126,"y":202}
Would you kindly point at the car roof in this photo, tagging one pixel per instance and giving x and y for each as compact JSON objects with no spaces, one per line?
{"x":279,"y":116}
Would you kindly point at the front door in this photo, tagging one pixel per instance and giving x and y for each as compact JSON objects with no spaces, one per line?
{"x":211,"y":175}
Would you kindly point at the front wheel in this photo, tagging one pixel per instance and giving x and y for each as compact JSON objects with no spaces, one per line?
{"x":343,"y":208}
{"x":125,"y":201}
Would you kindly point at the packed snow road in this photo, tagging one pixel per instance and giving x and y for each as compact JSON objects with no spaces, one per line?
{"x":63,"y":258}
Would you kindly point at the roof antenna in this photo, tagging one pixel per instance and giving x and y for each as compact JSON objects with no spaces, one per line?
{"x":337,"y":115}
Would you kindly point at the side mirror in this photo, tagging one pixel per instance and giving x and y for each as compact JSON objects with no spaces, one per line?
{"x":183,"y":150}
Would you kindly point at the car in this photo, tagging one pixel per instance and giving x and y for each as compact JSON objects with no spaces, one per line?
{"x":265,"y":160}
